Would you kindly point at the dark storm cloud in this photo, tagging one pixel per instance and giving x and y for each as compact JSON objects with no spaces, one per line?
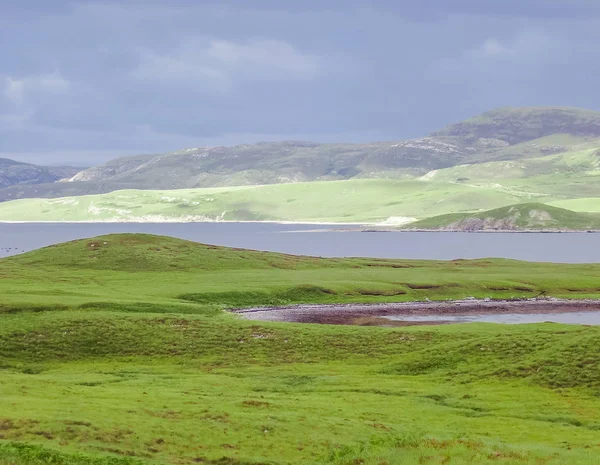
{"x":97,"y":78}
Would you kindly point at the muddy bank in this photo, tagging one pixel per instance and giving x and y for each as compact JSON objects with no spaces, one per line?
{"x":375,"y":314}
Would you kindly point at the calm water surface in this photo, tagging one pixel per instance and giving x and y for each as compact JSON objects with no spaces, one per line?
{"x":325,"y":241}
{"x":575,"y":318}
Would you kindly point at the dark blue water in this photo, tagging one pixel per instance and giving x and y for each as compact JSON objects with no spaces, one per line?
{"x":325,"y":241}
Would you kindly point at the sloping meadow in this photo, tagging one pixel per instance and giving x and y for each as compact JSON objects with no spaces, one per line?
{"x":116,"y":350}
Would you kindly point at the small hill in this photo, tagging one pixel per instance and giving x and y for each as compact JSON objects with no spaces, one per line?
{"x":146,"y":252}
{"x":527,"y":216}
{"x":14,"y":173}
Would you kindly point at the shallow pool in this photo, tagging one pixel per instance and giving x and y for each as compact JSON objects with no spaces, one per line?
{"x":576,"y":318}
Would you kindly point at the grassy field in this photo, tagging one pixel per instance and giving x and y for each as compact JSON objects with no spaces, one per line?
{"x":580,"y":205}
{"x":368,"y":200}
{"x":566,"y":175}
{"x":568,"y":180}
{"x":116,"y":350}
{"x":499,"y":135}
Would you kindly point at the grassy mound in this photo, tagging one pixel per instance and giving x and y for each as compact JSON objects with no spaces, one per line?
{"x":143,"y":273}
{"x":528,"y":216}
{"x":146,"y":273}
{"x":146,"y":252}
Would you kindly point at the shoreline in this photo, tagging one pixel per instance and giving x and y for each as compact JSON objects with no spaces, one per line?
{"x":374,"y":314}
{"x":505,"y":231}
{"x":178,"y":221}
{"x":384,"y":228}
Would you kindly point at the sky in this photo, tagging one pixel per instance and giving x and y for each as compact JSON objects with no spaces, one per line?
{"x":82,"y":82}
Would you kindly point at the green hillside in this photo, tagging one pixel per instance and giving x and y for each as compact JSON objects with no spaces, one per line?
{"x":569,"y":174}
{"x":580,"y":205}
{"x":115,"y":350}
{"x":352,"y":201}
{"x":14,"y":173}
{"x":110,"y":265}
{"x":527,"y":216}
{"x":502,"y":158}
{"x":508,"y":134}
{"x":558,"y":179}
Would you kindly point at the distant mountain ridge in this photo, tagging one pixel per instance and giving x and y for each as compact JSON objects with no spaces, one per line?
{"x":18,"y":173}
{"x":502,"y":134}
{"x":517,"y":125}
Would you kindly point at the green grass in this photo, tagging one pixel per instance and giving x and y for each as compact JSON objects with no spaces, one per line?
{"x":368,"y":200}
{"x":501,"y":171}
{"x":580,"y":205}
{"x":147,"y":272}
{"x":115,"y":351}
{"x":569,"y":175}
{"x":559,"y":179}
{"x":528,"y":216}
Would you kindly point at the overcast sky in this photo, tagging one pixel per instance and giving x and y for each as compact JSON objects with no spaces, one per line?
{"x":85,"y":81}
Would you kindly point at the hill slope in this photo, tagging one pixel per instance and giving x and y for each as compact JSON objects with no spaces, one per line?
{"x":516,"y":125}
{"x":566,"y":175}
{"x":483,"y":138}
{"x":504,"y":134}
{"x":561,"y":178}
{"x":105,"y":365}
{"x":147,"y":253}
{"x":279,"y":162}
{"x":527,"y":216}
{"x":115,"y":350}
{"x":353,"y":201}
{"x":17,"y":173}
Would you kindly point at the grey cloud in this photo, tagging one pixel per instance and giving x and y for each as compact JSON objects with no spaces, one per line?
{"x":524,"y":8}
{"x":215,"y":62}
{"x":422,"y":9}
{"x":98,"y":77}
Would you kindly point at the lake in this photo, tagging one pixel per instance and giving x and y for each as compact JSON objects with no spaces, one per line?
{"x":324,"y":240}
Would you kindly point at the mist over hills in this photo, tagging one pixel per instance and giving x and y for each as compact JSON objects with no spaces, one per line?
{"x":502,"y":134}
